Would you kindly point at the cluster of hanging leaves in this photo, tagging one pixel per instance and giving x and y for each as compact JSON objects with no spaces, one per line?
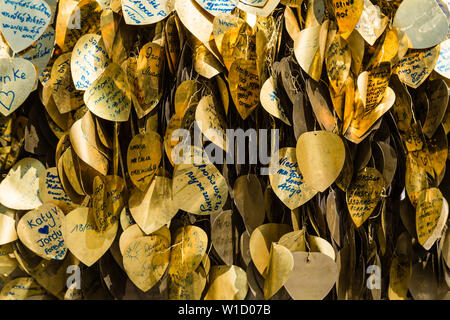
{"x":92,"y":94}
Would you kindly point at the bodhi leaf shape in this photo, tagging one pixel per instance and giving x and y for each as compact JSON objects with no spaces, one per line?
{"x":321,"y":157}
